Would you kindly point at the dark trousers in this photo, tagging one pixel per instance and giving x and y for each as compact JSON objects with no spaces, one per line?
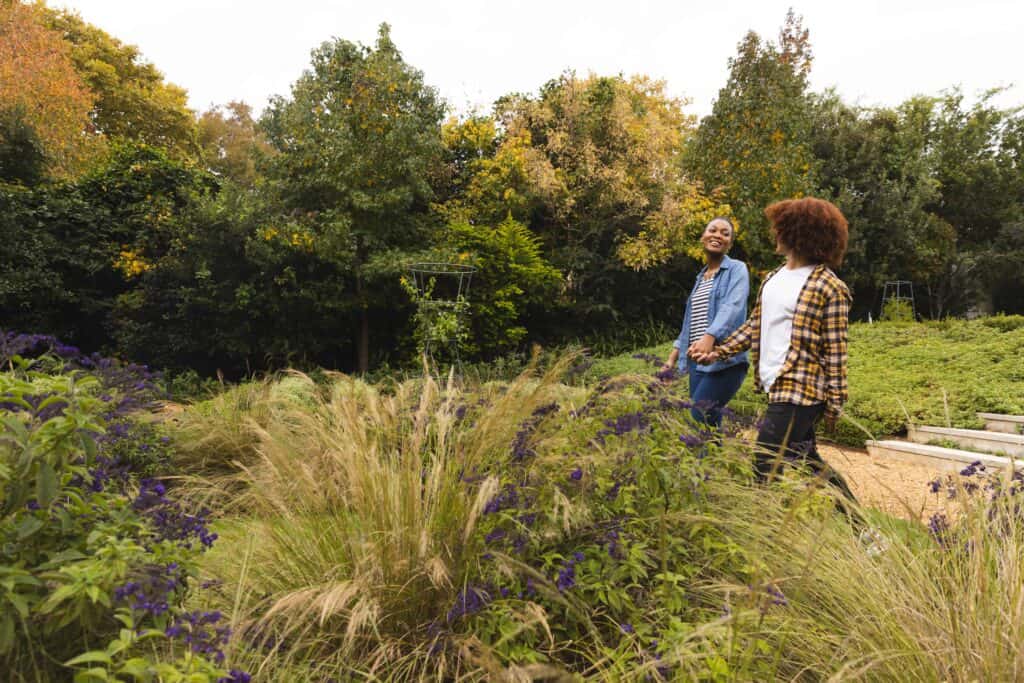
{"x":711,"y":391}
{"x":787,"y":437}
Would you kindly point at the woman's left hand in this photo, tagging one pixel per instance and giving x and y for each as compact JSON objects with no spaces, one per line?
{"x":701,"y":347}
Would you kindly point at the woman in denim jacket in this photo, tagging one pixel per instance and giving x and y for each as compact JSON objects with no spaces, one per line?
{"x":716,"y":307}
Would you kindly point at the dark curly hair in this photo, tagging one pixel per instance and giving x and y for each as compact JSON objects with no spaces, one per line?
{"x":814,"y":229}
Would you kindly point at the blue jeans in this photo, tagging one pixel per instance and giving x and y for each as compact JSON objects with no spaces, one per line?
{"x":711,"y":391}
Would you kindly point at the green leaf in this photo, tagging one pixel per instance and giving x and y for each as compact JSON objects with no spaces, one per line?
{"x":20,"y":604}
{"x":89,"y":446}
{"x":46,"y":484}
{"x":28,"y":526}
{"x":136,"y":667}
{"x":16,"y":426}
{"x":6,"y":633}
{"x":92,"y":657}
{"x":56,"y":598}
{"x":91,"y":675}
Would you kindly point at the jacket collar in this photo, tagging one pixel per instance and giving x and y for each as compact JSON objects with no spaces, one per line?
{"x":727,"y":263}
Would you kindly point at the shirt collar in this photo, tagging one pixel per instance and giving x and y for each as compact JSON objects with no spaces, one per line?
{"x":727,"y":263}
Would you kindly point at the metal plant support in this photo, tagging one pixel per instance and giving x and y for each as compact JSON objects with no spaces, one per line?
{"x":900,"y":291}
{"x":443,"y":293}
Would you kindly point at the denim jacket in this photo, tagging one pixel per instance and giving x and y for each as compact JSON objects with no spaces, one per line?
{"x":727,"y":309}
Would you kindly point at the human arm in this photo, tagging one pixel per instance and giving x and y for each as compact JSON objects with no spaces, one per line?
{"x":835,"y":324}
{"x":737,"y":342}
{"x":733,"y":306}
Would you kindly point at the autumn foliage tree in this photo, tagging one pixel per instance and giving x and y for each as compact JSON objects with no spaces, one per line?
{"x":591,"y":166}
{"x":231,"y":143}
{"x":42,"y":96}
{"x":133,"y":102}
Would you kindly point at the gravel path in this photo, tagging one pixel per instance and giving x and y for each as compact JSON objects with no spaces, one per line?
{"x":896,"y":488}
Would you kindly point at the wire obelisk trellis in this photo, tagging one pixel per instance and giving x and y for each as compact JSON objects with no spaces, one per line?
{"x":902,"y":293}
{"x":443,"y":291}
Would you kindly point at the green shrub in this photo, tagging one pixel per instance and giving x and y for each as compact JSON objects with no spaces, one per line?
{"x":897,"y":311}
{"x":90,"y":554}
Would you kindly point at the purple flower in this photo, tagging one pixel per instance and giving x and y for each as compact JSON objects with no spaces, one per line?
{"x":167,"y":518}
{"x":972,"y":469}
{"x":199,"y":630}
{"x":152,"y":588}
{"x":776,"y":595}
{"x":470,"y":600}
{"x":666,"y":374}
{"x":567,"y":574}
{"x":627,"y":627}
{"x":938,"y":526}
{"x":495,"y":536}
{"x":576,"y":474}
{"x":693,"y":440}
{"x":508,"y":497}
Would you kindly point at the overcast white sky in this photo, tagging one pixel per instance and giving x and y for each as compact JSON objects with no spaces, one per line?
{"x":874,"y":51}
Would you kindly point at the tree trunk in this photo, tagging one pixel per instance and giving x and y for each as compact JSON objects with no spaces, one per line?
{"x":363,"y":345}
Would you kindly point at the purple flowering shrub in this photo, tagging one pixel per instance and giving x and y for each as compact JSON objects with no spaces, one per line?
{"x":88,"y":548}
{"x":578,"y":527}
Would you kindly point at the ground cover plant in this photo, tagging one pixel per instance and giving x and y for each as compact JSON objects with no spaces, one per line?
{"x":932,"y":373}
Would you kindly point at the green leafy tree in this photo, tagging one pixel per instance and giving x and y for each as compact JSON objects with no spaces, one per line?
{"x":755,"y":144}
{"x":22,"y":156}
{"x":512,"y":279}
{"x":976,"y":155}
{"x":357,"y":145}
{"x":875,"y":165}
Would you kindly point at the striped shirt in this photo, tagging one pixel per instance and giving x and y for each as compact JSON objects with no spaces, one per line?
{"x":815,"y":367}
{"x":699,"y":308}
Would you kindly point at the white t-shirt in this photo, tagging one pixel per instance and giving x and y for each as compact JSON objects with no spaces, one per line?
{"x":778,"y":304}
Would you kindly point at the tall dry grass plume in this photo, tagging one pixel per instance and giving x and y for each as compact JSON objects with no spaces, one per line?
{"x":364,"y":518}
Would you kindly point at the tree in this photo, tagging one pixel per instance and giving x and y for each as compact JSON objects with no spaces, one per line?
{"x":231,"y":142}
{"x":42,"y":97}
{"x":875,"y":165}
{"x":755,"y":143}
{"x":133,"y":102}
{"x":975,"y":154}
{"x":591,"y":165}
{"x":357,"y":144}
{"x":22,"y":156}
{"x":512,"y":277}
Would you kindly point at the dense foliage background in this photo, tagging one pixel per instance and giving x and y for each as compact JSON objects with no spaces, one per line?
{"x":233,"y":242}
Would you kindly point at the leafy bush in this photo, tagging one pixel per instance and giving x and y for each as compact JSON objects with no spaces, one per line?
{"x":897,"y":311}
{"x":91,"y":552}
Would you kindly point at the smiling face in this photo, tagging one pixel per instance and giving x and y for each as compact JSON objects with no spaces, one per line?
{"x":717,"y":237}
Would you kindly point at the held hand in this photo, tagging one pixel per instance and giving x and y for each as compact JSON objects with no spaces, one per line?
{"x":830,"y":423}
{"x":706,"y":358}
{"x":702,"y":346}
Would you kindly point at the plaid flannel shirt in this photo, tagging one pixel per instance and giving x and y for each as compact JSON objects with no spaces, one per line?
{"x":815,"y":368}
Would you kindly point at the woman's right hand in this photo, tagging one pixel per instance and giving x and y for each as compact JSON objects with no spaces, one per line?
{"x":706,"y":358}
{"x":673,"y":359}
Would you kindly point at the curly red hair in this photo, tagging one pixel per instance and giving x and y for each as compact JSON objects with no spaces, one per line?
{"x":814,"y":229}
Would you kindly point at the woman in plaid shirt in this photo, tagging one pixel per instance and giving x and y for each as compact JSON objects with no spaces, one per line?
{"x":796,"y":335}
